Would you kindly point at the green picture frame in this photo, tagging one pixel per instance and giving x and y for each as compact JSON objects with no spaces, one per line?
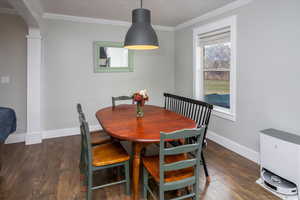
{"x":96,"y":54}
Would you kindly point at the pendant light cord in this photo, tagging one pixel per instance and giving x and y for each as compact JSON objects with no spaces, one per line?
{"x":141,"y":3}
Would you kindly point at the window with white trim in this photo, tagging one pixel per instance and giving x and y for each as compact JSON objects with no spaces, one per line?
{"x":214,"y":66}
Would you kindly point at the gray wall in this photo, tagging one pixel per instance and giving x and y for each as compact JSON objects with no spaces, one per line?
{"x":13,"y":64}
{"x":68,"y":78}
{"x":268,"y":70}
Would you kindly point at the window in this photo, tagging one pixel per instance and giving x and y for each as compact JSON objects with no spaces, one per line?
{"x":214,"y":66}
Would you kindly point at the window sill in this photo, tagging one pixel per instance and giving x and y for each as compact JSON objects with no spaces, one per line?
{"x":224,"y":113}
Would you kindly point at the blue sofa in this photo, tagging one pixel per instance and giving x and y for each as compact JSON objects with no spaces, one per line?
{"x":8,"y":122}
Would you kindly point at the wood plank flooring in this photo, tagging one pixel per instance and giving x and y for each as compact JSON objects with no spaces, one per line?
{"x":49,"y":171}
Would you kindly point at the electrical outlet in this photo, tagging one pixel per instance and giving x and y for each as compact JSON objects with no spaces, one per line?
{"x":5,"y":79}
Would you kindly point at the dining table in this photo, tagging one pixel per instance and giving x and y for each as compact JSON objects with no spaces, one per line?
{"x":121,"y":123}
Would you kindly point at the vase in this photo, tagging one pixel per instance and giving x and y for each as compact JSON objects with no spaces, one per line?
{"x":139,"y":110}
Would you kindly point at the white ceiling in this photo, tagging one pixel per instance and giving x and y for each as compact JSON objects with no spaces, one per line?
{"x":164,"y":12}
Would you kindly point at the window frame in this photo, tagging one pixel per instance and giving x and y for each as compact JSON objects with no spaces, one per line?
{"x":198,"y":68}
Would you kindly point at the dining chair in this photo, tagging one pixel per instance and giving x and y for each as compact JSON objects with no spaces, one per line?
{"x":174,"y":168}
{"x":97,"y":137}
{"x":120,"y":98}
{"x":125,"y":98}
{"x":196,"y":110}
{"x":101,"y":157}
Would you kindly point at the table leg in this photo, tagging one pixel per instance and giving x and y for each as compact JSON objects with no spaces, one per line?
{"x":137,"y":149}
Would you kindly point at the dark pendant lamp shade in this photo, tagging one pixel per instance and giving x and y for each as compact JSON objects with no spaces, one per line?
{"x":141,"y":35}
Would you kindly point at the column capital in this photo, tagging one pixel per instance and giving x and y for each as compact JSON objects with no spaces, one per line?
{"x":34,"y":33}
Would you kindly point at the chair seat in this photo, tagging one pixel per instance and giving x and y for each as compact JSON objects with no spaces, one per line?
{"x":110,"y":153}
{"x":151,"y":163}
{"x":99,"y":137}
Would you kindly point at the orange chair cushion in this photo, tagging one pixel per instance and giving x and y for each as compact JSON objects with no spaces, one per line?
{"x":110,"y":153}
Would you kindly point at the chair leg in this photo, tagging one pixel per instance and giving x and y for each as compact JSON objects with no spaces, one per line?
{"x":89,"y":185}
{"x":127,"y":177}
{"x":197,"y":190}
{"x":161,"y":193}
{"x":205,"y":167}
{"x":85,"y":179}
{"x":145,"y":182}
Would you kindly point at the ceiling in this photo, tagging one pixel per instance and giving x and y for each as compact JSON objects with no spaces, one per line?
{"x":164,"y":12}
{"x":5,"y":4}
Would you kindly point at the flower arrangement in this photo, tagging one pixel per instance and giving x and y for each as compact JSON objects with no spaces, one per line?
{"x":140,"y":98}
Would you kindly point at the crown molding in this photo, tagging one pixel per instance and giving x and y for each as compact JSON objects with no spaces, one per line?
{"x":10,"y":11}
{"x":55,"y":16}
{"x":214,"y":13}
{"x":229,"y":7}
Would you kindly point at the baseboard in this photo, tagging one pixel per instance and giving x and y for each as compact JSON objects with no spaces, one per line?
{"x":60,"y":133}
{"x":235,"y":147}
{"x":66,"y":132}
{"x":15,"y":138}
{"x":33,"y":138}
{"x":37,"y":137}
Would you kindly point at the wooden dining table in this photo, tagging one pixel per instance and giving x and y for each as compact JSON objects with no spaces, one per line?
{"x":121,"y":123}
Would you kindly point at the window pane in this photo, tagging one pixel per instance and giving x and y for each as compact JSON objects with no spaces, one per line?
{"x":217,"y":56}
{"x":217,"y":74}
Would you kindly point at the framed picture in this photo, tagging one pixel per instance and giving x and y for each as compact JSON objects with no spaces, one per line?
{"x":112,"y":57}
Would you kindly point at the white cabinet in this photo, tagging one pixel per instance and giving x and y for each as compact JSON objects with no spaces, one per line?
{"x":280,"y":154}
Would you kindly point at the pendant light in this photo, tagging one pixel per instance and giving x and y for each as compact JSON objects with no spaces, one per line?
{"x":141,"y":35}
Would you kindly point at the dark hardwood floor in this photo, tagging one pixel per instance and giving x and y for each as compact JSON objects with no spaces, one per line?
{"x":49,"y":171}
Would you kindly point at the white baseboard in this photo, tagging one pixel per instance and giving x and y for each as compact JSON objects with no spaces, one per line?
{"x":60,"y":133}
{"x":235,"y":147}
{"x":66,"y":132}
{"x":33,"y":138}
{"x":37,"y":137}
{"x":15,"y":138}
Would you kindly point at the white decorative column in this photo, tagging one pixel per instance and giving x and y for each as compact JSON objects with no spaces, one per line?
{"x":34,"y":62}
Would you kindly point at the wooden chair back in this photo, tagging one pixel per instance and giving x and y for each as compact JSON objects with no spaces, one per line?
{"x":86,"y":145}
{"x":194,"y":148}
{"x":80,"y":112}
{"x":86,"y":142}
{"x":196,"y":110}
{"x":120,"y":98}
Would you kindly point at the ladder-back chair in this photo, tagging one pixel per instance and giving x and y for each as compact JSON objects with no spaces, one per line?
{"x":102,"y":157}
{"x":120,"y":98}
{"x":174,"y":168}
{"x":97,"y":137}
{"x":196,"y":110}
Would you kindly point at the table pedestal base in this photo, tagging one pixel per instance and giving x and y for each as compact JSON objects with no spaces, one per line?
{"x":137,"y":148}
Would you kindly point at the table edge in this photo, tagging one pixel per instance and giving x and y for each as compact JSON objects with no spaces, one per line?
{"x":135,"y":140}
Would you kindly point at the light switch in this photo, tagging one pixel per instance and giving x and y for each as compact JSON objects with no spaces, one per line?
{"x":5,"y":79}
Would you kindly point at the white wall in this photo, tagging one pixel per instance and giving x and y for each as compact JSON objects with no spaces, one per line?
{"x":13,"y":62}
{"x":68,"y":77}
{"x":268,"y":70}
